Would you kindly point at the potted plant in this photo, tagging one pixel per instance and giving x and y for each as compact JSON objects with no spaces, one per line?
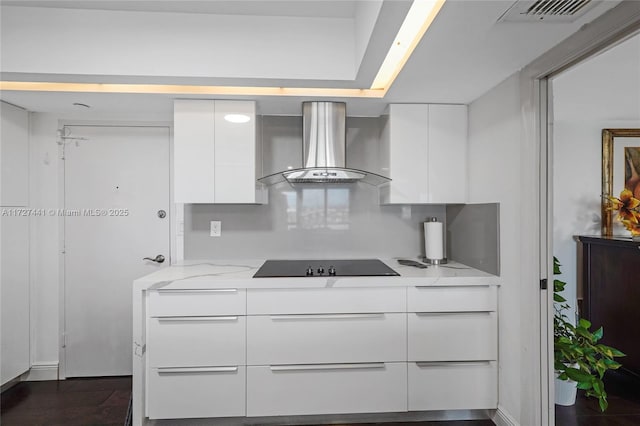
{"x":578,"y":356}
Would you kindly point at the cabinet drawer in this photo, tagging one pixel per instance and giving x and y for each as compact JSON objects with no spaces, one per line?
{"x":326,"y":389}
{"x":452,"y":386}
{"x":196,"y":341}
{"x":451,"y":299}
{"x":226,"y":301}
{"x":196,"y":392}
{"x":326,"y":300}
{"x":325,"y":338}
{"x":456,"y":336}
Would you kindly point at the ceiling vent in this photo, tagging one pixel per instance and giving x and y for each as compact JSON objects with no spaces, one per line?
{"x":552,"y":11}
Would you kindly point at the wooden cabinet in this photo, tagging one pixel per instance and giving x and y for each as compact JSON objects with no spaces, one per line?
{"x":216,"y":152}
{"x":425,"y":152}
{"x":14,"y":233}
{"x":609,"y":277}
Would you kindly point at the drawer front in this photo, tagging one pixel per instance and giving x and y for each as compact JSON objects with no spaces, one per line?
{"x":465,"y":336}
{"x":452,"y":299}
{"x":196,"y":341}
{"x":227,"y":301}
{"x":453,"y":386}
{"x":325,"y":338}
{"x":326,"y":300}
{"x":326,"y":389}
{"x":196,"y":392}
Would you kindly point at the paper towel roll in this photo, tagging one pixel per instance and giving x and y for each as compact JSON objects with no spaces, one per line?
{"x":433,"y":240}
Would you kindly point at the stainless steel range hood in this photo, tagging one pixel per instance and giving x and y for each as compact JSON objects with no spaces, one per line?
{"x":324,"y":149}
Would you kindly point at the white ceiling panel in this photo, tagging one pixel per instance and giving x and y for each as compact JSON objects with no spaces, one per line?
{"x":465,"y":52}
{"x":299,"y":8}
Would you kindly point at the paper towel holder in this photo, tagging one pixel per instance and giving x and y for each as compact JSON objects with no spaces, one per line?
{"x":435,"y":262}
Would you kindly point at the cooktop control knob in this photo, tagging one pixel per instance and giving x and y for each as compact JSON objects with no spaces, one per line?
{"x":309,"y":271}
{"x":321,"y":270}
{"x":332,"y":270}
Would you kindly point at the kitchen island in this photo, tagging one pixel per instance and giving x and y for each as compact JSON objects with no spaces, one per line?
{"x":211,"y":342}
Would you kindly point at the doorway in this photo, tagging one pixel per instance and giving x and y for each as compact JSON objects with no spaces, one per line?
{"x":116,"y":213}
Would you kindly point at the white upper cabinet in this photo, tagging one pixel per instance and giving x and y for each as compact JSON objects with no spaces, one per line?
{"x":216,"y":152}
{"x":14,"y":156}
{"x":425,"y":150}
{"x":14,"y":243}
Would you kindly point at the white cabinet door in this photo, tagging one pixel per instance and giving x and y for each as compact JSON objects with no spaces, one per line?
{"x":326,"y":389}
{"x":452,"y":299}
{"x":14,"y":295}
{"x":206,"y":302}
{"x":326,"y":300}
{"x":404,"y":138}
{"x":196,"y":341}
{"x":326,"y":338}
{"x":14,"y":156}
{"x":216,"y":391}
{"x":193,"y":151}
{"x":453,"y":386}
{"x":235,"y":152}
{"x":452,"y":336}
{"x":215,"y":152}
{"x":447,"y":165}
{"x":426,"y":146}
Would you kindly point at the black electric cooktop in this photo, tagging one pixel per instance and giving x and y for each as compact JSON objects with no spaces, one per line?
{"x":324,"y":268}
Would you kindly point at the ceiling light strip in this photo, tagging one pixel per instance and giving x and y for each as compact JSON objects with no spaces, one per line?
{"x":420,"y":16}
{"x":188,"y":90}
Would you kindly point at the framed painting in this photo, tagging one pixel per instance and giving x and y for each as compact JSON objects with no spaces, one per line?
{"x":620,"y":169}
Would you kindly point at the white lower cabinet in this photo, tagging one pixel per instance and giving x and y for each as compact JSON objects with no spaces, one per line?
{"x":193,"y":392}
{"x":326,"y":338}
{"x":326,"y":389}
{"x":196,"y":341}
{"x":285,"y":352}
{"x":203,"y":302}
{"x":452,"y":336}
{"x":452,"y":385}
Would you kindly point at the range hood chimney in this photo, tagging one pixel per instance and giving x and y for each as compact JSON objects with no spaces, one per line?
{"x":324,"y":149}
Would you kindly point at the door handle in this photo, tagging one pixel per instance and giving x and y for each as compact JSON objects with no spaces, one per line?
{"x":158,"y":259}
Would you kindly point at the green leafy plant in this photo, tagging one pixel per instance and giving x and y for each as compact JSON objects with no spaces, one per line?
{"x":577,"y":354}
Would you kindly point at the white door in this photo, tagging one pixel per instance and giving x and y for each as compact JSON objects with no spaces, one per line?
{"x":116,"y":182}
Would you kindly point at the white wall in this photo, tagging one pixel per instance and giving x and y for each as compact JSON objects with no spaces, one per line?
{"x":494,"y":175}
{"x":602,"y":92}
{"x":46,"y":232}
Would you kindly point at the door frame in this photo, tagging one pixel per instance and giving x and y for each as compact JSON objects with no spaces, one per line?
{"x":175,"y":250}
{"x":536,"y":100}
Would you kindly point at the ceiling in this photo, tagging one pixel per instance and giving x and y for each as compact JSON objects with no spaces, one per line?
{"x":464,"y":53}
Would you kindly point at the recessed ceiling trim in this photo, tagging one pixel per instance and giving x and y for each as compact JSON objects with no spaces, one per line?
{"x":420,"y":16}
{"x":418,"y":20}
{"x":169,"y":89}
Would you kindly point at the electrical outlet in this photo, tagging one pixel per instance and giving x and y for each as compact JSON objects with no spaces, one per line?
{"x":216,"y":228}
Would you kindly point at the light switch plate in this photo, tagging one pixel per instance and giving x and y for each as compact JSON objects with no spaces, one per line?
{"x":216,"y":228}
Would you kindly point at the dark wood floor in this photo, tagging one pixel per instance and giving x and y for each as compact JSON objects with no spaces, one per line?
{"x":624,"y":405}
{"x":80,"y":402}
{"x":104,"y":401}
{"x":99,"y":401}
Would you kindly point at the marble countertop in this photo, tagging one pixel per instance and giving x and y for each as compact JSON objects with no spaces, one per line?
{"x":239,"y":274}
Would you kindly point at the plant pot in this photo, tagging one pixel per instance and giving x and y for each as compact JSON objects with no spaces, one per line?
{"x":566,"y":391}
